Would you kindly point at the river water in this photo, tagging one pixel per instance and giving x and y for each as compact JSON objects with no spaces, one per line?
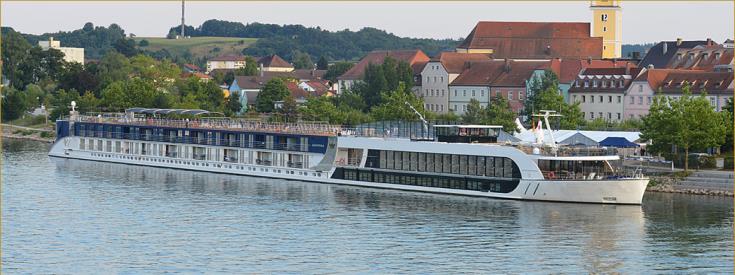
{"x":74,"y":217}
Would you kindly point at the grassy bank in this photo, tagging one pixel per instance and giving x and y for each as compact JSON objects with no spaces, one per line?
{"x":198,"y":46}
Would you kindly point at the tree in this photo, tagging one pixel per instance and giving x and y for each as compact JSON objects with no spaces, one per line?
{"x":14,"y":53}
{"x":499,"y":112}
{"x":319,"y":108}
{"x":322,"y":64}
{"x":289,"y":109}
{"x":233,"y":104}
{"x":337,"y":69}
{"x":688,"y":122}
{"x":274,"y":90}
{"x":229,"y":77}
{"x":394,"y":105}
{"x":250,"y":69}
{"x":14,"y":104}
{"x":388,"y":76}
{"x":125,"y":47}
{"x":350,"y":100}
{"x":474,"y":114}
{"x":301,"y":60}
{"x":143,"y":43}
{"x":728,"y":115}
{"x":544,"y":95}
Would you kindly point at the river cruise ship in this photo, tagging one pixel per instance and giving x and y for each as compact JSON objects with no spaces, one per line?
{"x":448,"y":159}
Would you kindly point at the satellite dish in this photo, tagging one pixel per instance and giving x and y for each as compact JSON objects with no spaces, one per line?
{"x":73,"y":105}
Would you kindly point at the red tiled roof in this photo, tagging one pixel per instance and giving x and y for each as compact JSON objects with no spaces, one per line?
{"x":701,"y":58}
{"x":712,"y":82}
{"x":296,"y":92}
{"x":454,"y":62}
{"x":274,"y":61}
{"x":534,"y":40}
{"x":228,"y":58}
{"x":192,"y":67}
{"x":495,"y":73}
{"x":376,"y":57}
{"x":570,"y":68}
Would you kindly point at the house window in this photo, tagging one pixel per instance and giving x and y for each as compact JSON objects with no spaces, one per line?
{"x":640,"y":88}
{"x":600,"y":113}
{"x":604,"y":29}
{"x":592,"y":99}
{"x":574,"y":98}
{"x":609,"y":116}
{"x":576,"y":83}
{"x":586,"y":83}
{"x":455,"y":93}
{"x":473,"y":93}
{"x":601,"y":101}
{"x":592,"y":115}
{"x":640,"y":100}
{"x":435,"y":79}
{"x":442,"y":79}
{"x":609,"y":99}
{"x":603,"y":17}
{"x":442,"y":92}
{"x":482,"y":93}
{"x":619,"y":116}
{"x":632,"y":100}
{"x":584,"y":99}
{"x":648,"y":100}
{"x":520,"y":95}
{"x":510,"y":95}
{"x":464,"y":107}
{"x":712,"y":101}
{"x":619,"y":99}
{"x":594,"y":83}
{"x":604,"y":84}
{"x":455,"y":107}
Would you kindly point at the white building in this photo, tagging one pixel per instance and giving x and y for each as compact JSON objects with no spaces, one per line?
{"x":70,"y":54}
{"x":226,"y":62}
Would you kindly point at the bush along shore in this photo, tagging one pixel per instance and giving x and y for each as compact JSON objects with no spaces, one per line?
{"x":27,"y":133}
{"x":674,"y":184}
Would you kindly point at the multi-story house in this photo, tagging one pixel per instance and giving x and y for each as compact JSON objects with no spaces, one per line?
{"x":601,"y":92}
{"x":482,"y":80}
{"x":417,"y":59}
{"x":226,"y":62}
{"x":438,"y":73}
{"x":639,"y":95}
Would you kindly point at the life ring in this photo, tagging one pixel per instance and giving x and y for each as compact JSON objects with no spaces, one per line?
{"x":552,"y":175}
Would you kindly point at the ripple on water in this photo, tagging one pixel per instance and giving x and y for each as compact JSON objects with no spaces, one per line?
{"x":62,"y":216}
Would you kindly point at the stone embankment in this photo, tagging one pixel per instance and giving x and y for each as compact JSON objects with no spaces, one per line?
{"x":714,"y":183}
{"x":27,"y":133}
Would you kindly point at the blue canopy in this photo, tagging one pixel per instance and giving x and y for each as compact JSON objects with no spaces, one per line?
{"x":619,"y":142}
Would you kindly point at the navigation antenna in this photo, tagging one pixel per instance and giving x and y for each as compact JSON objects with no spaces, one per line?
{"x":546,"y":114}
{"x":426,"y":124}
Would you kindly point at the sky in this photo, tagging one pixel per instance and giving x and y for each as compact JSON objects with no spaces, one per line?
{"x":642,"y":21}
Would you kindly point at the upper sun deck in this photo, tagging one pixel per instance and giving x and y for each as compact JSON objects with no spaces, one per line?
{"x":314,"y":129}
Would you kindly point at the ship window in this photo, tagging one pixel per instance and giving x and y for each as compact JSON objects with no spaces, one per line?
{"x":446,"y":162}
{"x":405,"y":161}
{"x":498,"y":167}
{"x":383,"y":160}
{"x":389,"y":160}
{"x":489,"y":166}
{"x":414,"y":161}
{"x":438,"y":163}
{"x":471,"y":165}
{"x":422,"y":162}
{"x":480,"y":166}
{"x":463,"y":164}
{"x":455,"y":164}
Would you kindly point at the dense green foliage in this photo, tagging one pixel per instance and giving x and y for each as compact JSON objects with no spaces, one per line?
{"x":337,"y":69}
{"x":96,"y":41}
{"x":389,"y":76}
{"x":284,"y":40}
{"x":498,"y":112}
{"x":544,"y":95}
{"x":689,"y":123}
{"x":274,"y":90}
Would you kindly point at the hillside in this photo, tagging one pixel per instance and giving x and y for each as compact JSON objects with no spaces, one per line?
{"x":198,"y":47}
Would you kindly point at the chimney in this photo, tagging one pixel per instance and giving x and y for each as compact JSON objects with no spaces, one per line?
{"x":678,"y":41}
{"x":627,"y":70}
{"x":666,"y":46}
{"x":506,"y":67}
{"x":709,"y":41}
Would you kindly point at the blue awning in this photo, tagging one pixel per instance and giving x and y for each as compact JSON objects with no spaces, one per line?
{"x":618,"y":142}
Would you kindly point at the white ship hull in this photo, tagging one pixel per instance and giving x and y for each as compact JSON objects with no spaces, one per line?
{"x":618,"y":191}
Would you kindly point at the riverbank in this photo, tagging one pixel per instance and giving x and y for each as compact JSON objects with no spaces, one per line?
{"x":27,"y":133}
{"x":690,"y":185}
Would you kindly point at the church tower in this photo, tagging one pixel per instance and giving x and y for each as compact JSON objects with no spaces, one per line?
{"x":607,"y":23}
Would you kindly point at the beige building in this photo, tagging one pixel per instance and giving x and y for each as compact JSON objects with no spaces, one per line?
{"x":226,"y":62}
{"x":70,"y":54}
{"x":438,"y":74}
{"x":274,"y":63}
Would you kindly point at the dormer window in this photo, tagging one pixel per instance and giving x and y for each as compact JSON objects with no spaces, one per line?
{"x":594,"y":83}
{"x":717,"y":55}
{"x":720,"y":83}
{"x":577,"y":83}
{"x":604,"y":84}
{"x":679,"y":56}
{"x":620,"y":83}
{"x":586,"y":83}
{"x":668,"y":84}
{"x":682,"y":83}
{"x":691,"y":55}
{"x":704,"y":83}
{"x":704,"y":55}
